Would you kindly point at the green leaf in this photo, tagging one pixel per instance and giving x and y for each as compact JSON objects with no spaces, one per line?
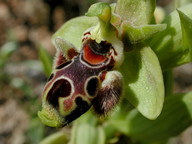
{"x":46,"y":60}
{"x":144,"y":86}
{"x":176,"y":116}
{"x":5,"y":52}
{"x":72,"y":31}
{"x":137,"y":34}
{"x":173,"y":45}
{"x":7,"y":49}
{"x":136,"y":12}
{"x":56,"y":138}
{"x":35,"y":131}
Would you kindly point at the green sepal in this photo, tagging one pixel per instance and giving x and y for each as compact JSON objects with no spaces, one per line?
{"x":176,"y":116}
{"x":186,"y":27}
{"x":136,"y":12}
{"x":173,"y":45}
{"x":136,"y":34}
{"x":72,"y":31}
{"x":101,"y":10}
{"x":143,"y":80}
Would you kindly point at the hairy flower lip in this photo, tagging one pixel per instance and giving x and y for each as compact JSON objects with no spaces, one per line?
{"x":50,"y":118}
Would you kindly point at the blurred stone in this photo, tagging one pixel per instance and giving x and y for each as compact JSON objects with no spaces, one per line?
{"x":4,"y":19}
{"x":42,"y":36}
{"x":183,"y":78}
{"x":186,"y":136}
{"x":58,"y":17}
{"x":14,"y":122}
{"x":21,"y":33}
{"x":4,"y":11}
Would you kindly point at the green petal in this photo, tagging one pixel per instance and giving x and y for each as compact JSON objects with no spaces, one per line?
{"x":176,"y":116}
{"x":115,"y":18}
{"x":137,"y":34}
{"x":144,"y":86}
{"x":136,"y":12}
{"x":101,"y":10}
{"x":72,"y":31}
{"x":173,"y":45}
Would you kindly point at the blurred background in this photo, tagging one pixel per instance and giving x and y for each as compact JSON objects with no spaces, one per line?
{"x":26,"y":27}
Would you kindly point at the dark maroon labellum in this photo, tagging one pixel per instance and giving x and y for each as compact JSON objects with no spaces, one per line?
{"x":61,"y":88}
